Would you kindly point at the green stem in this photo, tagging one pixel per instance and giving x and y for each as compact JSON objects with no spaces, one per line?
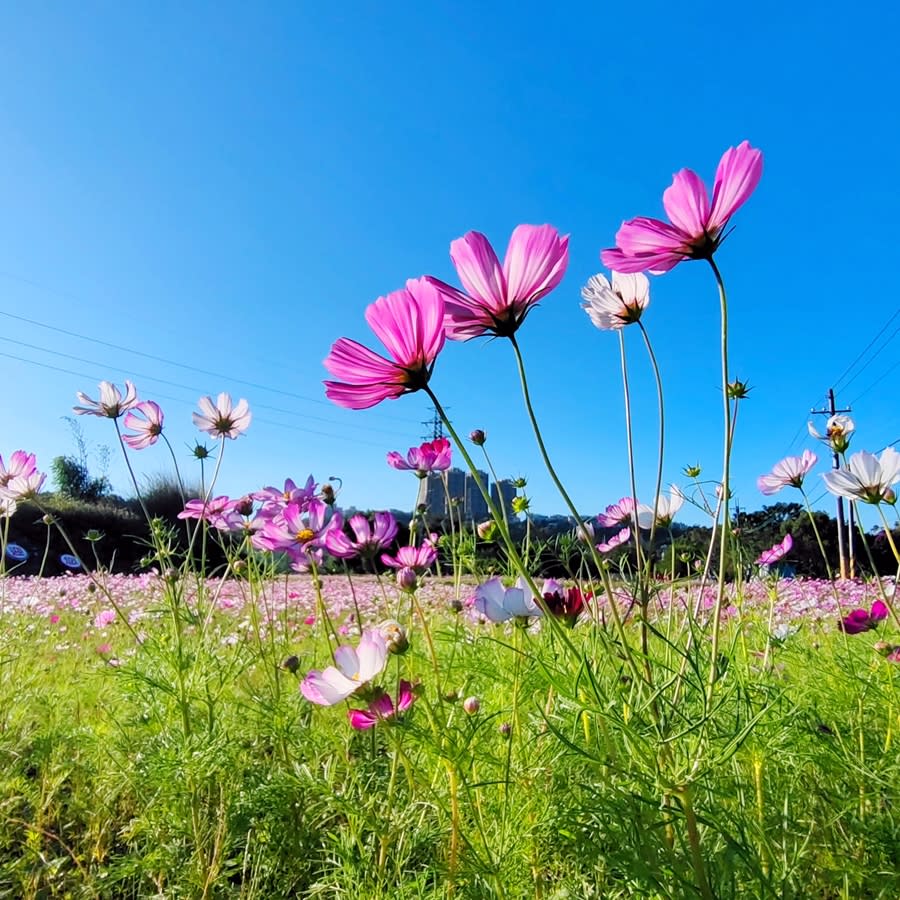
{"x":662,"y":430}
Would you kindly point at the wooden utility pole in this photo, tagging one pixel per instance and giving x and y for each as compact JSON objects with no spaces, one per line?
{"x":847,"y":562}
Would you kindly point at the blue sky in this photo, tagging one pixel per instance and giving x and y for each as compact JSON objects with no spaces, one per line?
{"x":227,"y":186}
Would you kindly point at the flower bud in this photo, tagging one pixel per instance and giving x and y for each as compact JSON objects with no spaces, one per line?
{"x":394,"y":636}
{"x":889,"y":495}
{"x":692,"y":471}
{"x":520,"y":505}
{"x":47,"y":519}
{"x":292,"y":664}
{"x":406,"y":579}
{"x":505,"y":729}
{"x":519,"y":483}
{"x":487,"y":531}
{"x":471,"y":705}
{"x":738,"y":390}
{"x":478,"y":437}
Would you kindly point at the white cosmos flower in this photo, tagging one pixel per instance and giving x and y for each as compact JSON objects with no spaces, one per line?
{"x":613,"y":306}
{"x":837,"y":432}
{"x":666,"y":507}
{"x":498,"y":603}
{"x":867,"y":478}
{"x":355,"y":668}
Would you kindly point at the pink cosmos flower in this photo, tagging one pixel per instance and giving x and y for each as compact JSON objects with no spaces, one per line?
{"x":622,"y":537}
{"x":355,"y":667}
{"x":111,"y":404}
{"x":432,"y":456}
{"x":867,"y":478}
{"x":779,"y":551}
{"x":219,"y":512}
{"x":789,"y":472}
{"x":20,"y":464}
{"x":146,"y":421}
{"x":861,"y":620}
{"x":25,"y":486}
{"x":410,"y":324}
{"x":498,"y":603}
{"x":104,"y":618}
{"x":697,"y":224}
{"x":275,"y":499}
{"x":617,"y":513}
{"x":498,"y":298}
{"x":368,"y":541}
{"x":222,"y":419}
{"x":299,"y":529}
{"x":382,"y":708}
{"x":613,"y":306}
{"x":416,"y":558}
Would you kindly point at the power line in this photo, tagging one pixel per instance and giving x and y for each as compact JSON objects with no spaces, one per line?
{"x":877,"y":381}
{"x":172,"y":362}
{"x":340,"y":437}
{"x":186,"y":387}
{"x":866,"y":349}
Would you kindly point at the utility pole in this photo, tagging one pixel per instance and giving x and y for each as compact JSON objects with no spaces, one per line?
{"x":846,"y":570}
{"x":435,"y":426}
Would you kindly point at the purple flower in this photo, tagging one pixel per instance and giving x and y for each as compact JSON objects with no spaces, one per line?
{"x":497,"y":298}
{"x":416,"y":558}
{"x":779,"y":551}
{"x":860,"y":620}
{"x":617,"y":513}
{"x":696,"y":226}
{"x":369,"y":540}
{"x":146,"y":421}
{"x":616,"y":540}
{"x":432,"y":456}
{"x":382,"y":709}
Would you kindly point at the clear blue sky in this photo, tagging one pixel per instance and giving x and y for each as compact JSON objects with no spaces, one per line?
{"x":228,"y":185}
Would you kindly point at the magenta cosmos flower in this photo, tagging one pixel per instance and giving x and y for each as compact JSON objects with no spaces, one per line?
{"x":21,"y":464}
{"x":410,"y":324}
{"x":416,"y":558}
{"x":779,"y":551}
{"x":222,"y":419}
{"x":111,"y":404}
{"x":789,"y":472}
{"x":432,"y":456}
{"x":617,"y":513}
{"x":497,"y":298}
{"x":368,"y":539}
{"x":617,"y":540}
{"x":146,"y":422}
{"x":696,"y":224}
{"x":354,"y":668}
{"x":382,"y":708}
{"x":861,"y":620}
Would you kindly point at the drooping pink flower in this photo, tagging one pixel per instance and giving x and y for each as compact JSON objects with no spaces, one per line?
{"x":696,"y":225}
{"x":416,"y":558}
{"x":432,"y":456}
{"x":382,"y":709}
{"x":368,"y":540}
{"x":146,"y":421}
{"x":861,"y":620}
{"x":219,"y":512}
{"x":613,"y":306}
{"x":789,"y":472}
{"x":617,"y":513}
{"x":779,"y":551}
{"x":111,"y":404}
{"x":222,"y":419}
{"x":497,"y":298}
{"x":621,"y":537}
{"x":354,"y":668}
{"x":20,"y":464}
{"x":410,"y":324}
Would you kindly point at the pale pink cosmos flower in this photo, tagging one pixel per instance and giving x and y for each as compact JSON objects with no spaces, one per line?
{"x":20,"y":464}
{"x":382,"y":708}
{"x":354,"y":668}
{"x":867,"y":478}
{"x":498,"y":603}
{"x":666,"y":509}
{"x":621,"y":537}
{"x":779,"y":551}
{"x":790,"y":472}
{"x":368,"y":539}
{"x":697,"y":224}
{"x":838,"y":430}
{"x":432,"y":456}
{"x":111,"y":404}
{"x":416,"y":558}
{"x":613,"y":306}
{"x":617,"y":513}
{"x":25,"y":486}
{"x":222,"y":419}
{"x":498,"y":298}
{"x":410,"y":324}
{"x":146,"y":421}
{"x":219,"y":512}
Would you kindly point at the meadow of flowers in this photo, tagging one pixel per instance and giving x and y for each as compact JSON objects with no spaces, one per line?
{"x":288,"y":701}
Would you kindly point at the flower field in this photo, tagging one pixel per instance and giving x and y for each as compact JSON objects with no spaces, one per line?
{"x":285,"y":697}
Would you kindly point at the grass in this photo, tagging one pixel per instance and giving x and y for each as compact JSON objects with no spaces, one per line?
{"x":193,"y":767}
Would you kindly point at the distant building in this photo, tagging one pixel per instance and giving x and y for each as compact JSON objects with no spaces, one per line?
{"x":475,"y":506}
{"x":461,"y":488}
{"x":502,"y":493}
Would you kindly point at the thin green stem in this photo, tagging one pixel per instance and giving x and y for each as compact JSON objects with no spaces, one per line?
{"x":662,"y":430}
